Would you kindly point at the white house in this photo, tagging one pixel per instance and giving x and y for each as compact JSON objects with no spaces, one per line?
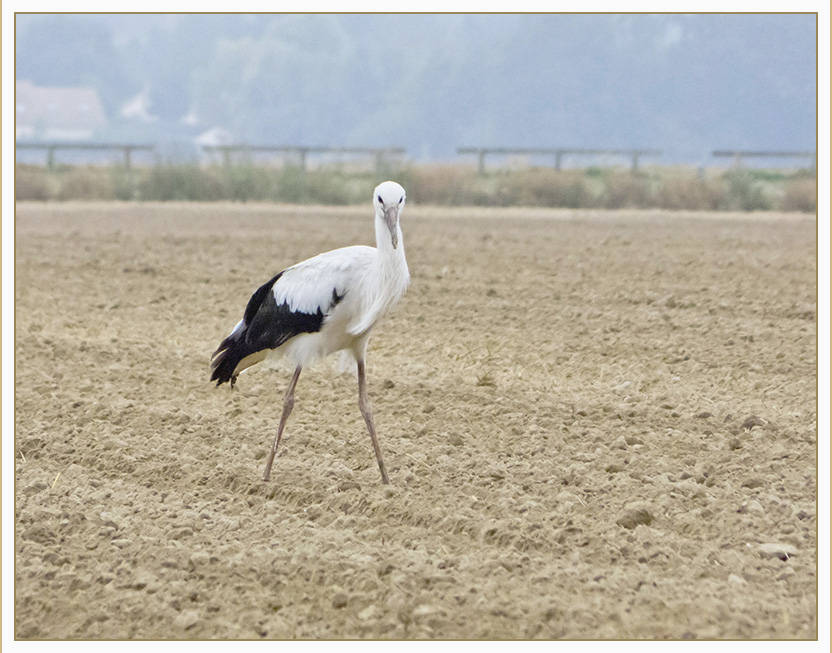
{"x":56,"y":113}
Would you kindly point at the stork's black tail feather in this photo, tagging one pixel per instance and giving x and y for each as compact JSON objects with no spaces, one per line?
{"x":228,"y":355}
{"x":238,"y":345}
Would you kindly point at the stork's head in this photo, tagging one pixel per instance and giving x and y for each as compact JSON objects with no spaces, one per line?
{"x":388,"y":199}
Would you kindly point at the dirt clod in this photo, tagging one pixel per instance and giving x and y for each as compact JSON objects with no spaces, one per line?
{"x":634,"y":515}
{"x":777,"y":550}
{"x":751,"y":422}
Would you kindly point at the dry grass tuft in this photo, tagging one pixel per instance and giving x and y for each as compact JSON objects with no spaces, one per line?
{"x":801,"y":195}
{"x":626,"y":190}
{"x":85,"y":183}
{"x":691,"y":193}
{"x":441,"y":184}
{"x":30,"y":183}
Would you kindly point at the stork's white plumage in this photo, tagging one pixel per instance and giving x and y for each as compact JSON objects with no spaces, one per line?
{"x":326,"y":304}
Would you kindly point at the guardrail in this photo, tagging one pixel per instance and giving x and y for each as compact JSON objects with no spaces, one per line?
{"x":51,"y":148}
{"x":302,"y":152}
{"x":558,"y":153}
{"x":382,"y":154}
{"x":739,"y":155}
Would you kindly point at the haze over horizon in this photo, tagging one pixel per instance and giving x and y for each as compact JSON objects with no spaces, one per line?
{"x":684,"y":84}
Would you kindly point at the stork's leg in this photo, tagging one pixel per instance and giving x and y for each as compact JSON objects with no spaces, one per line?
{"x":367,"y":412}
{"x":288,"y":404}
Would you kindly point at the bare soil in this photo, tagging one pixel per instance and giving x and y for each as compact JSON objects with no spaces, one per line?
{"x":597,"y":425}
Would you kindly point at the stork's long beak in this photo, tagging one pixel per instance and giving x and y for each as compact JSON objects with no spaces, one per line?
{"x":391,"y":217}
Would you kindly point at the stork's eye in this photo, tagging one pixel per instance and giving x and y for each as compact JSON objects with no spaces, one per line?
{"x":380,"y":201}
{"x":401,"y":199}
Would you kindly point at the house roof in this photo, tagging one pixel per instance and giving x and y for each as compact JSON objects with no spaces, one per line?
{"x":46,"y":108}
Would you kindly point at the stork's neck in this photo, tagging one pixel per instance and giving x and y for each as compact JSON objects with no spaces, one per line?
{"x":384,"y":243}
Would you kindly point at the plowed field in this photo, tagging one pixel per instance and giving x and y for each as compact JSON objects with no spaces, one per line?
{"x":596,"y":424}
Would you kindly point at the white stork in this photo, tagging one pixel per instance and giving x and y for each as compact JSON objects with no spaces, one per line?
{"x":326,"y":304}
